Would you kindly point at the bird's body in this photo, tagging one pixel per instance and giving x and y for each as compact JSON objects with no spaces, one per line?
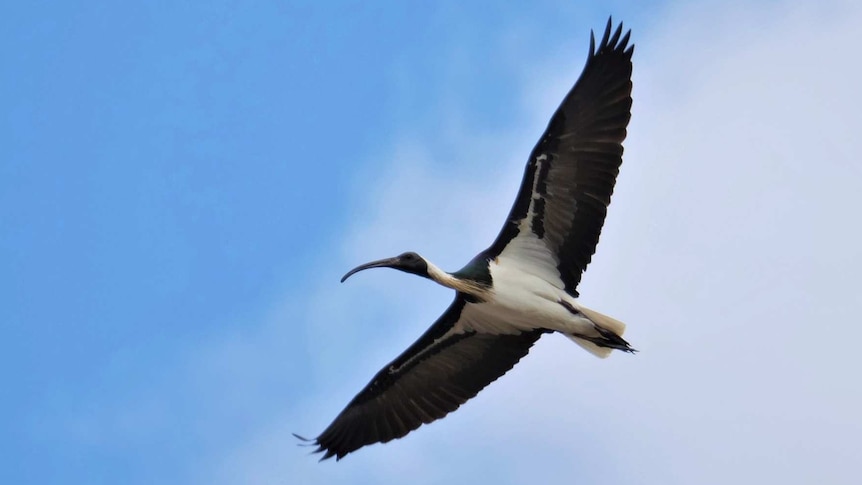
{"x":525,"y":284}
{"x":525,"y":298}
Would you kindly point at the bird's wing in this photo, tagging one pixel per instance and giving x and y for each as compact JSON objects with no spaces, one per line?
{"x":448,"y":365}
{"x":555,"y":222}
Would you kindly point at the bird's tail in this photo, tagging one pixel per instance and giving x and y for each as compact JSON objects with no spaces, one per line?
{"x":607,"y":337}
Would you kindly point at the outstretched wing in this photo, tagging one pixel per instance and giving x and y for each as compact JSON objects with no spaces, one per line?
{"x":442,"y":370}
{"x":555,"y":222}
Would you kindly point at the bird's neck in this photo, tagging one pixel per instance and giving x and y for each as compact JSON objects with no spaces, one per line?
{"x":467,"y":286}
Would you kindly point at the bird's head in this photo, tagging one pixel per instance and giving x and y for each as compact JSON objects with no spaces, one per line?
{"x":408,"y":262}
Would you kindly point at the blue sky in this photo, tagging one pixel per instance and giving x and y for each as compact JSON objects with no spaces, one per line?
{"x":182,"y":185}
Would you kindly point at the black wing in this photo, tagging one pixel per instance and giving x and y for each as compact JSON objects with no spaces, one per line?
{"x":438,"y":373}
{"x":571,"y":173}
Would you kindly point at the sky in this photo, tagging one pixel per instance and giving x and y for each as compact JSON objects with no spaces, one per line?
{"x":183,"y":185}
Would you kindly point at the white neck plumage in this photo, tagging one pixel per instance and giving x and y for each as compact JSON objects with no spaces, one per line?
{"x":464,"y":286}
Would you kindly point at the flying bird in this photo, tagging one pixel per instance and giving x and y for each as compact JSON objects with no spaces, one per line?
{"x":525,"y":284}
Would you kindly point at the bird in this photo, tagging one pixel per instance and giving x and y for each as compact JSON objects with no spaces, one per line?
{"x":524,"y":284}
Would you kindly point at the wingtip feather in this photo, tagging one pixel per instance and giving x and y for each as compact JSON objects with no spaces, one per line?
{"x":606,"y":35}
{"x":616,"y":37}
{"x":613,"y":40}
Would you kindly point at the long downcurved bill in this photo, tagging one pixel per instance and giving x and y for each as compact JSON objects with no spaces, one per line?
{"x":380,"y":263}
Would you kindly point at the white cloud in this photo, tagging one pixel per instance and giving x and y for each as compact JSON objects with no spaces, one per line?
{"x":732,"y":249}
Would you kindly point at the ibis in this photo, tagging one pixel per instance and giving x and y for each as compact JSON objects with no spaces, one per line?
{"x":525,"y":284}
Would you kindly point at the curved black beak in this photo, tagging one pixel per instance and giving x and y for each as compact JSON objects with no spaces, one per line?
{"x":380,"y":263}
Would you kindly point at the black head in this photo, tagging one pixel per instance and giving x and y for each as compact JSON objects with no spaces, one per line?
{"x":408,"y":262}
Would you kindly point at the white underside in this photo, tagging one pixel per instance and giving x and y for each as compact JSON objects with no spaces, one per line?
{"x":523,"y":301}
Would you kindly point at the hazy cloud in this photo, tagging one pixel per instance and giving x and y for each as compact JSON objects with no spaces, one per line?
{"x":732,"y":250}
